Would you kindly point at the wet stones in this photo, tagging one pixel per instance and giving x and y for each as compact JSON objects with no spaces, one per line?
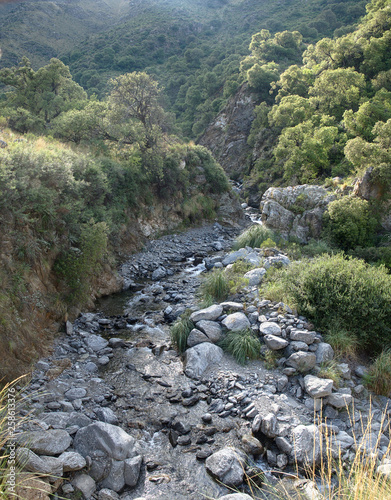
{"x":227,"y":466}
{"x":199,"y":357}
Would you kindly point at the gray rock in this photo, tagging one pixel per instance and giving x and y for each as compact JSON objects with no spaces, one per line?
{"x":132,"y":470}
{"x":270,"y":328}
{"x":91,"y":367}
{"x":110,"y":439}
{"x":210,"y":313}
{"x":339,"y":400}
{"x":232,"y":306}
{"x":384,"y":468}
{"x":211,"y":329}
{"x":234,"y":256}
{"x":159,"y":274}
{"x":303,"y":336}
{"x":107,"y":494}
{"x":302,"y":361}
{"x":324,"y":353}
{"x":278,"y":210}
{"x":85,"y":484}
{"x":236,"y":322}
{"x":269,"y":425}
{"x":252,"y":445}
{"x":196,"y":337}
{"x":306,"y":444}
{"x":106,"y":415}
{"x":275,"y":343}
{"x":318,"y":387}
{"x":199,"y":357}
{"x":283,"y":445}
{"x":226,"y":466}
{"x":278,"y":261}
{"x":115,"y":480}
{"x":255,"y":276}
{"x":72,"y":461}
{"x":75,"y":393}
{"x":42,"y":465}
{"x":95,"y":342}
{"x":253,"y":258}
{"x":103,"y":360}
{"x":50,"y":442}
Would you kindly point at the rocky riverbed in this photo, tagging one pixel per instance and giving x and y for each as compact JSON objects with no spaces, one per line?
{"x":117,"y":413}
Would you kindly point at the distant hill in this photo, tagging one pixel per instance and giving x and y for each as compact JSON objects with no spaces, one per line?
{"x":192,"y":47}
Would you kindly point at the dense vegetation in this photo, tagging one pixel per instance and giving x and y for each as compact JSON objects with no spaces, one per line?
{"x":193,"y":48}
{"x":66,"y":207}
{"x":329,"y":114}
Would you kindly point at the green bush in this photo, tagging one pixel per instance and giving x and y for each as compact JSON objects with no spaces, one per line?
{"x":374,"y":255}
{"x":349,"y":222}
{"x":254,"y":237}
{"x":180,"y":330}
{"x":333,"y":289}
{"x":243,"y":345}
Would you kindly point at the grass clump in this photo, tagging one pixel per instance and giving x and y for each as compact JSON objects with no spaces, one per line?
{"x":254,"y":237}
{"x":343,"y":341}
{"x":180,"y":330}
{"x":378,"y":378}
{"x":329,"y":369}
{"x":243,"y":345}
{"x":331,"y":289}
{"x":215,"y":287}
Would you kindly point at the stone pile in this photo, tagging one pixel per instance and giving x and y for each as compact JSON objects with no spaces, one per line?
{"x":116,"y":410}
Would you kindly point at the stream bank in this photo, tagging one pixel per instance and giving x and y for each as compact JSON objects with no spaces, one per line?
{"x":115,"y":371}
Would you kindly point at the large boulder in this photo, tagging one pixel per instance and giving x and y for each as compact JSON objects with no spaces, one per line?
{"x":318,"y":387}
{"x":226,"y":466}
{"x":295,"y":210}
{"x":107,"y":438}
{"x":199,"y":357}
{"x":306,"y":444}
{"x":236,"y":322}
{"x":210,"y":313}
{"x":50,"y":442}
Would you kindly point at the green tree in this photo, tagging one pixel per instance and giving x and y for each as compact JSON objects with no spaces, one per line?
{"x":135,"y":100}
{"x":45,"y":93}
{"x":291,"y":111}
{"x":294,"y":81}
{"x":349,"y":222}
{"x":304,"y":151}
{"x":369,"y":113}
{"x":336,"y":90}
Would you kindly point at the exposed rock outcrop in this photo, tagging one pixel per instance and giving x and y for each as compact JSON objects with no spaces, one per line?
{"x":227,"y":135}
{"x":295,"y":210}
{"x":369,"y":188}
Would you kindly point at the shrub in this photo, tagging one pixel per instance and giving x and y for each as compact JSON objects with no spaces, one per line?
{"x":378,"y":378}
{"x":268,"y":243}
{"x":254,"y":237}
{"x":180,"y":330}
{"x":243,"y":345}
{"x":331,"y":289}
{"x":349,"y":222}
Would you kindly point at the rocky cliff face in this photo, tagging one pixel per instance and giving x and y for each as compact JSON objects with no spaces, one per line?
{"x":296,"y":210}
{"x":227,"y":135}
{"x":369,"y":189}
